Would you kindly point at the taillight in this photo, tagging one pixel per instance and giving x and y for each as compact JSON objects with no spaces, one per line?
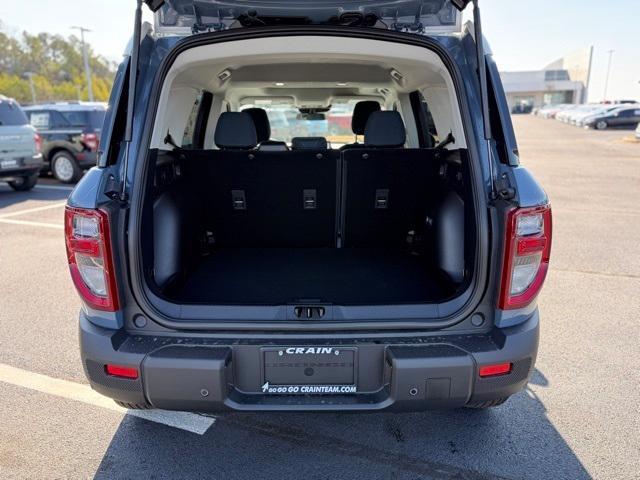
{"x":91,"y":141}
{"x":89,"y":255}
{"x":526,"y":255}
{"x":38,"y":140}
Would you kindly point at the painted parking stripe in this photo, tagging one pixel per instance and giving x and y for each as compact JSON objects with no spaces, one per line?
{"x":33,"y":224}
{"x":83,"y":393}
{"x":53,"y":187}
{"x":32,"y":210}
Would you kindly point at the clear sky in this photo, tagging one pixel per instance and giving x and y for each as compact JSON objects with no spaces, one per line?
{"x":524,"y":35}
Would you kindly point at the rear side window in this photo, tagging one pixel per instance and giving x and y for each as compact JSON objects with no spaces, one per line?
{"x":12,"y":114}
{"x":84,"y":118}
{"x":39,"y":119}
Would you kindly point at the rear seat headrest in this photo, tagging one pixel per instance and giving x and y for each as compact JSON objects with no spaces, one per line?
{"x":361,"y":113}
{"x":235,"y":130}
{"x":309,"y":143}
{"x":261,"y":122}
{"x":385,"y":129}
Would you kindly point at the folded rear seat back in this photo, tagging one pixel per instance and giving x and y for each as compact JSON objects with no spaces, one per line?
{"x":265,"y":198}
{"x":386,"y":188}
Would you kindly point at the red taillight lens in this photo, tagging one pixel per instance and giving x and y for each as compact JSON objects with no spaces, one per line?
{"x":121,"y":371}
{"x":38,"y":140}
{"x":526,"y":256}
{"x":494,"y":370}
{"x":89,"y":255}
{"x":91,"y":141}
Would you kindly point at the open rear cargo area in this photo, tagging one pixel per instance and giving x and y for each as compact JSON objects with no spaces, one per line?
{"x":312,"y":230}
{"x":316,"y":179}
{"x":306,"y":275}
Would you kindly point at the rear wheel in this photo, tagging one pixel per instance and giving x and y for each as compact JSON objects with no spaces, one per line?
{"x":65,"y":168}
{"x":488,"y":404}
{"x":602,"y":125}
{"x":25,"y":183}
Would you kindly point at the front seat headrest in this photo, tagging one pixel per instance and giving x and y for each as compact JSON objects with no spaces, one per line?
{"x":235,"y":131}
{"x":385,"y":129}
{"x":361,"y":113}
{"x":309,"y":143}
{"x":261,"y":122}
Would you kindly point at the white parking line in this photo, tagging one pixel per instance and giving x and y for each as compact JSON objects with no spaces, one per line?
{"x":53,"y":187}
{"x":83,"y":393}
{"x":33,"y":224}
{"x":31,"y":210}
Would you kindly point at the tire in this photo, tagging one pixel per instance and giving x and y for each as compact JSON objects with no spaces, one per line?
{"x":25,"y":183}
{"x":601,"y":125}
{"x":488,"y":404}
{"x":65,"y":167}
{"x":134,"y":406}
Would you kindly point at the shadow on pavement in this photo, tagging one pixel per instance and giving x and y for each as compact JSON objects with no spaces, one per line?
{"x":515,"y":440}
{"x":9,"y":197}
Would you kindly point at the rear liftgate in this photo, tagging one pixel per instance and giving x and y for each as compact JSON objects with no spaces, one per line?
{"x":369,"y":376}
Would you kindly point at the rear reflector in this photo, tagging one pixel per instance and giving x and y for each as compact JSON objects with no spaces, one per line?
{"x":120,"y":371}
{"x":495,"y":370}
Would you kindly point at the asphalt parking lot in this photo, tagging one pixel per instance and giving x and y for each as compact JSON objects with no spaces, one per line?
{"x":579,"y":417}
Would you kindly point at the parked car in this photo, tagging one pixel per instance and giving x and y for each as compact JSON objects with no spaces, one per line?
{"x":70,"y":134}
{"x":550,"y":111}
{"x":626,"y":116}
{"x":20,"y":157}
{"x":638,"y":131}
{"x":581,"y":120}
{"x":391,"y":273}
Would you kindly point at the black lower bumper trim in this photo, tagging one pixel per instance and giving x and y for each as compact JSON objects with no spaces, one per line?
{"x":214,"y":377}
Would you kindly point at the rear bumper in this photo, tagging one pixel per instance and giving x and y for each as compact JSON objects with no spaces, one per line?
{"x":206,"y":374}
{"x":25,"y":166}
{"x":87,"y":159}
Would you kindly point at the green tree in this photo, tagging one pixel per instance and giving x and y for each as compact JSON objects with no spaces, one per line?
{"x":57,"y":67}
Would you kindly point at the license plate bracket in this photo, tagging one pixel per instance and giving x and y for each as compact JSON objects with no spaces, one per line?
{"x":335,"y":366}
{"x":10,"y":163}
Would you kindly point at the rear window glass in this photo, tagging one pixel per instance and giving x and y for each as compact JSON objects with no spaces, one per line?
{"x":287,"y":121}
{"x":12,"y":114}
{"x":85,"y":118}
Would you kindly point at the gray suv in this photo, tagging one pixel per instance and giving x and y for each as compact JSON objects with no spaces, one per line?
{"x":20,"y":157}
{"x":227,"y":265}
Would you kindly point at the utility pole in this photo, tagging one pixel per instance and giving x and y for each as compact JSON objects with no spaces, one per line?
{"x":29,"y":75}
{"x":606,"y":82}
{"x":85,"y":55}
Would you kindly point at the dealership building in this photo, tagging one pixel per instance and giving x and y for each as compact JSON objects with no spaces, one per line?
{"x":564,"y":81}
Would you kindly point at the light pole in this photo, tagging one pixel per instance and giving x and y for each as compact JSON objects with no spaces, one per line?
{"x":87,"y":67}
{"x":606,"y":82}
{"x":29,"y":75}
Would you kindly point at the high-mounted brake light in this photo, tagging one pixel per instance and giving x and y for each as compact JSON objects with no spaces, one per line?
{"x":89,"y":255}
{"x":526,"y":256}
{"x":121,"y":371}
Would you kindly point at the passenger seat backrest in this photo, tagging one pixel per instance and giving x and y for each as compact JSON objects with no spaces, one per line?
{"x":385,"y":188}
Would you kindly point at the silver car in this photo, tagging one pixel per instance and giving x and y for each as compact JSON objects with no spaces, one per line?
{"x":20,"y":156}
